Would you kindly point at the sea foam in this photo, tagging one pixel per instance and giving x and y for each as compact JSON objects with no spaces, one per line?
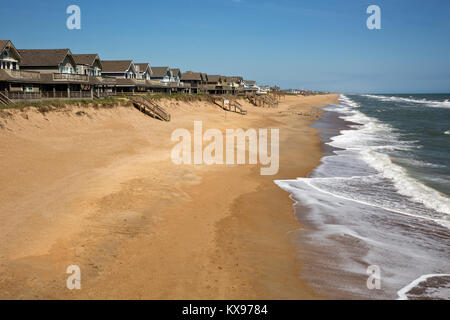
{"x":365,"y":139}
{"x":429,"y":103}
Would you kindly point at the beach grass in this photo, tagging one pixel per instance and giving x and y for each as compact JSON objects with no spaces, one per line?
{"x":47,"y":105}
{"x":179,"y":96}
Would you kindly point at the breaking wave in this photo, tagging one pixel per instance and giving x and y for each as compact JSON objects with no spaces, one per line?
{"x":429,"y":103}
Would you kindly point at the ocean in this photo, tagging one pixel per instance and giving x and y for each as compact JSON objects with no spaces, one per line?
{"x":380,"y":200}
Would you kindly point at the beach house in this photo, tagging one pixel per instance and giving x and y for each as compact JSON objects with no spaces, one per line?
{"x":125,"y":73}
{"x":144,"y":71}
{"x":15,"y":83}
{"x":143,"y":76}
{"x":161,"y":74}
{"x":88,"y":64}
{"x":10,"y":57}
{"x":250,"y":86}
{"x":57,"y":73}
{"x":175,"y":75}
{"x":91,"y":65}
{"x":194,"y":79}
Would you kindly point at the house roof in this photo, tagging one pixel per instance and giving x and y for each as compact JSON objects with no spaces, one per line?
{"x":143,"y":66}
{"x":214,"y":78}
{"x":250,"y":82}
{"x":176,"y":72}
{"x":86,"y":59}
{"x":159,"y":72}
{"x":5,"y":43}
{"x":125,"y":82}
{"x":43,"y":57}
{"x":191,"y":76}
{"x":116,"y":66}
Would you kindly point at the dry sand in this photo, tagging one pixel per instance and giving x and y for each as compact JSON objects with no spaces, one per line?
{"x":98,"y":189}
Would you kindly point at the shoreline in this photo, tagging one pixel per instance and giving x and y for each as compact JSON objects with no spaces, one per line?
{"x":131,"y":219}
{"x":343,"y":237}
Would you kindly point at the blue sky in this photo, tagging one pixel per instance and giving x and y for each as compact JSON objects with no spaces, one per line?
{"x":323,"y":45}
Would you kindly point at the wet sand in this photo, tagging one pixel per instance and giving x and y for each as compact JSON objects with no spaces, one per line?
{"x":98,"y":189}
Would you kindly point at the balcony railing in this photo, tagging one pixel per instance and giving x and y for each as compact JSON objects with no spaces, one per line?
{"x":55,"y":95}
{"x":65,"y":94}
{"x":19,"y":74}
{"x":24,"y":95}
{"x":80,"y":94}
{"x":70,"y":77}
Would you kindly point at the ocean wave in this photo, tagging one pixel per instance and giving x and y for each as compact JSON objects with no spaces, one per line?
{"x":429,"y":103}
{"x":406,"y":185}
{"x":370,"y":133}
{"x":311,"y":183}
{"x":343,"y":98}
{"x":418,"y":163}
{"x":447,"y":132}
{"x":370,"y":140}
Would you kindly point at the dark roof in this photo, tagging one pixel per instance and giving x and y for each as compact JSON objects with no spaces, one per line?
{"x":86,"y":59}
{"x":115,"y":65}
{"x":191,"y":76}
{"x":43,"y":57}
{"x":250,"y":82}
{"x":159,"y":72}
{"x":125,"y":82}
{"x":214,"y":78}
{"x":142,"y":66}
{"x":176,"y":72}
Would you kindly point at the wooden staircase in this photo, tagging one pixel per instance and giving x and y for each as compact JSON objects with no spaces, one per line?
{"x":270,"y":101}
{"x":263,"y":101}
{"x":149,"y":107}
{"x":254,"y":100}
{"x":229,"y":105}
{"x":4,"y":100}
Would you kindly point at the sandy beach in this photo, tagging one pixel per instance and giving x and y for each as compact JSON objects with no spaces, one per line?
{"x":97,"y":188}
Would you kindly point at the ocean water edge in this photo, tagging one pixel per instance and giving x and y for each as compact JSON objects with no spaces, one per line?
{"x":379,"y":200}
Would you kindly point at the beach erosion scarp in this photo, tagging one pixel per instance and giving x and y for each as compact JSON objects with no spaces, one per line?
{"x":98,"y":189}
